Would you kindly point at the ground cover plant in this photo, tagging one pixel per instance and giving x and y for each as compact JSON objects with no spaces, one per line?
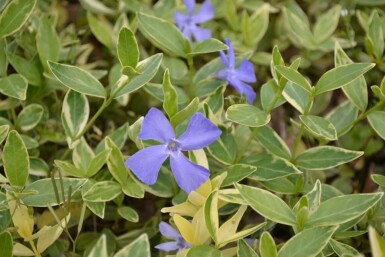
{"x":192,"y":128}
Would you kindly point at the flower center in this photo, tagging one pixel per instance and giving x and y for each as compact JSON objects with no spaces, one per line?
{"x":173,"y":145}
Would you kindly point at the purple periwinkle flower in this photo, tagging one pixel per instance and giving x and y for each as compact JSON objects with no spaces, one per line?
{"x":188,"y":24}
{"x":146,"y":163}
{"x":238,"y":78}
{"x":168,"y":231}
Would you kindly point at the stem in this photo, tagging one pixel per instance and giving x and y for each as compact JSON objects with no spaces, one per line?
{"x":13,"y":112}
{"x":190,"y":62}
{"x":245,"y":147}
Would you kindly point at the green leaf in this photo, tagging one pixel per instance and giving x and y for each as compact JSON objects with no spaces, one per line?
{"x":82,"y":155}
{"x":118,"y":136}
{"x":128,"y":213}
{"x":247,"y":115}
{"x":210,"y":45}
{"x":268,"y":92}
{"x":97,"y":163}
{"x":3,"y":58}
{"x":270,"y":167}
{"x":255,"y":27}
{"x":211,"y":215}
{"x":230,"y":13}
{"x":103,"y":191}
{"x":378,"y":179}
{"x":345,"y":208}
{"x":14,"y":86}
{"x":69,"y":168}
{"x":342,"y":117}
{"x":98,"y":208}
{"x":4,"y":129}
{"x":203,"y":250}
{"x":377,"y":122}
{"x":267,"y":247}
{"x":376,"y":35}
{"x":15,"y":160}
{"x":236,"y":173}
{"x":15,"y":15}
{"x":269,"y":139}
{"x":30,"y":69}
{"x":296,"y":96}
{"x":147,"y":69}
{"x":319,"y":127}
{"x":100,"y":248}
{"x":128,"y":51}
{"x":267,"y":204}
{"x":186,"y":113}
{"x":77,"y":79}
{"x":343,"y":249}
{"x":307,"y":243}
{"x":6,"y":244}
{"x":326,"y":24}
{"x":170,"y":102}
{"x":325,"y":157}
{"x":138,"y":248}
{"x":30,"y":116}
{"x":377,"y":243}
{"x":224,"y":149}
{"x":340,"y":76}
{"x":356,"y":90}
{"x":163,"y":34}
{"x":294,"y":76}
{"x":101,"y":29}
{"x":116,"y":164}
{"x":75,"y":113}
{"x":41,"y":192}
{"x":47,"y":41}
{"x":244,"y":250}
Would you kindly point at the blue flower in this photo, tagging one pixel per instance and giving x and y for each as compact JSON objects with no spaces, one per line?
{"x":188,"y":23}
{"x":238,"y":78}
{"x":146,"y":163}
{"x":168,"y":231}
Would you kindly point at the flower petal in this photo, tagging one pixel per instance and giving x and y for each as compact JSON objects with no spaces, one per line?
{"x":243,"y":88}
{"x":187,"y":32}
{"x":224,"y":58}
{"x":200,"y":133}
{"x":245,"y":72}
{"x":146,"y":163}
{"x":230,"y":53}
{"x":222,"y":75}
{"x":168,"y":246}
{"x":204,"y":14}
{"x":188,"y":175}
{"x":156,"y":126}
{"x":168,"y":231}
{"x":180,"y":19}
{"x":200,"y":34}
{"x":190,"y":4}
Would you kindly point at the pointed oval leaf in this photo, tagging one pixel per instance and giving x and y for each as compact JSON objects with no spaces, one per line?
{"x":208,"y":46}
{"x":244,"y":250}
{"x":203,"y":250}
{"x":128,"y":213}
{"x":224,"y":149}
{"x":15,"y":15}
{"x":170,"y":102}
{"x":3,"y":132}
{"x":6,"y":244}
{"x":377,"y":122}
{"x":247,"y":115}
{"x":77,"y":79}
{"x":307,"y":243}
{"x":163,"y":34}
{"x":319,"y":127}
{"x":103,"y":191}
{"x":345,"y":208}
{"x":97,"y":163}
{"x":269,"y":139}
{"x":14,"y":86}
{"x":267,"y":247}
{"x":100,"y":248}
{"x":30,"y":69}
{"x":326,"y":24}
{"x":128,"y":51}
{"x":211,"y":215}
{"x":342,"y":117}
{"x":30,"y":116}
{"x":148,"y":68}
{"x":15,"y":160}
{"x":138,"y":248}
{"x":294,"y":76}
{"x":47,"y":41}
{"x":325,"y":157}
{"x":340,"y":76}
{"x":236,"y":173}
{"x":75,"y":113}
{"x":101,"y":29}
{"x":267,"y":204}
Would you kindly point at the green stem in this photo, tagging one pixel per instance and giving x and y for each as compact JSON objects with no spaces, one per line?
{"x":13,"y":112}
{"x":37,"y":254}
{"x":190,"y":62}
{"x":245,"y":147}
